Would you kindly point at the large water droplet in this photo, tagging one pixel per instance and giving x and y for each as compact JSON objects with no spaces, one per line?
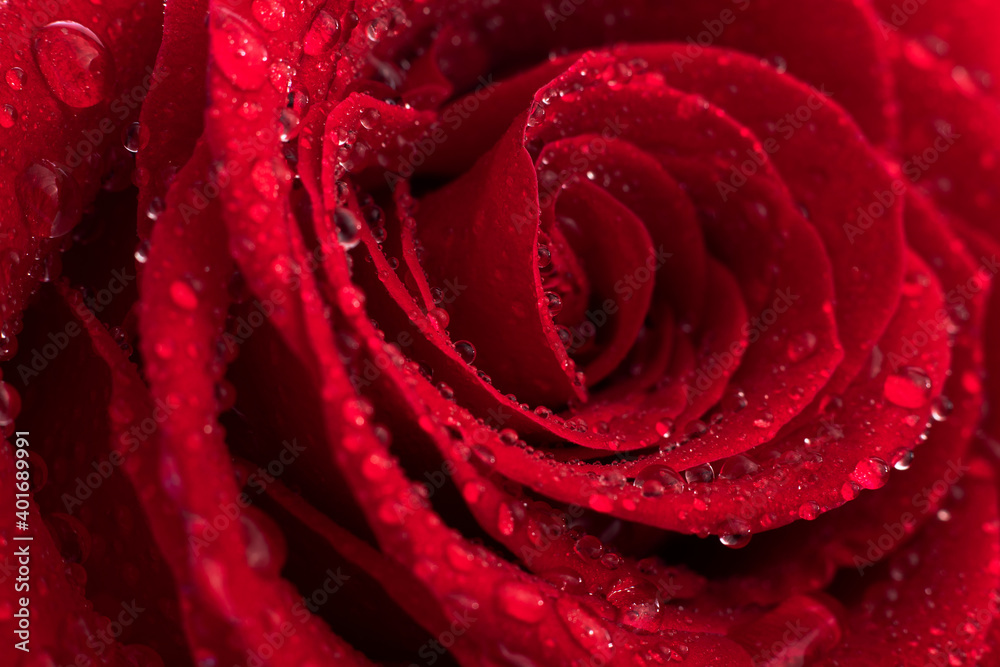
{"x":348,"y":228}
{"x":238,"y":51}
{"x":655,"y":480}
{"x":50,"y":199}
{"x":801,"y":346}
{"x":265,"y":544}
{"x":521,"y":601}
{"x":15,"y":78}
{"x":323,"y":32}
{"x":8,"y":116}
{"x":10,"y":404}
{"x":74,"y":63}
{"x":700,"y":474}
{"x":735,"y":534}
{"x":908,"y":388}
{"x":466,"y":350}
{"x":738,"y":466}
{"x":871,"y":473}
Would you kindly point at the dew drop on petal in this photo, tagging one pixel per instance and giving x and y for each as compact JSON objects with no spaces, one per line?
{"x":735,"y":534}
{"x":600,"y":503}
{"x":909,"y":388}
{"x":738,"y":466}
{"x":521,"y":601}
{"x":323,"y":32}
{"x":49,"y":198}
{"x":183,"y":295}
{"x":664,"y":428}
{"x":801,"y":346}
{"x":809,"y":510}
{"x":15,"y":78}
{"x":74,"y":63}
{"x":589,"y":546}
{"x":871,"y":473}
{"x":237,"y":50}
{"x":466,"y":350}
{"x":850,"y":491}
{"x":8,"y":116}
{"x":941,"y":407}
{"x":901,"y":459}
{"x":10,"y":404}
{"x":347,"y":226}
{"x":700,"y":474}
{"x":135,"y":137}
{"x":655,"y":480}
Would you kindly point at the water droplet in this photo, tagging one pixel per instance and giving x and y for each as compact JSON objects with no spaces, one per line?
{"x":544,"y":256}
{"x":135,"y":137}
{"x":655,"y":480}
{"x":801,"y":346}
{"x":536,"y":116}
{"x":586,"y":629}
{"x":10,"y":404}
{"x":182,"y":294}
{"x":269,"y":14}
{"x":909,"y":388}
{"x":589,"y":546}
{"x":941,"y":407}
{"x":265,"y":545}
{"x":664,"y":428}
{"x":809,"y":510}
{"x":521,"y":601}
{"x":376,"y":29}
{"x":553,"y":302}
{"x":738,"y":466}
{"x":735,"y":534}
{"x":141,"y":253}
{"x":370,"y":118}
{"x":348,"y":227}
{"x":15,"y":78}
{"x":600,"y":503}
{"x":8,"y":116}
{"x":466,"y":350}
{"x":871,"y":473}
{"x":323,"y":32}
{"x":764,"y":420}
{"x":289,"y":121}
{"x":700,"y":474}
{"x":50,"y":199}
{"x":156,"y":208}
{"x":849,"y":491}
{"x":237,"y":50}
{"x":901,"y":459}
{"x":74,"y":63}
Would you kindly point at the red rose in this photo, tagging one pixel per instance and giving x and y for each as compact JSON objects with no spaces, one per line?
{"x":445,"y":333}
